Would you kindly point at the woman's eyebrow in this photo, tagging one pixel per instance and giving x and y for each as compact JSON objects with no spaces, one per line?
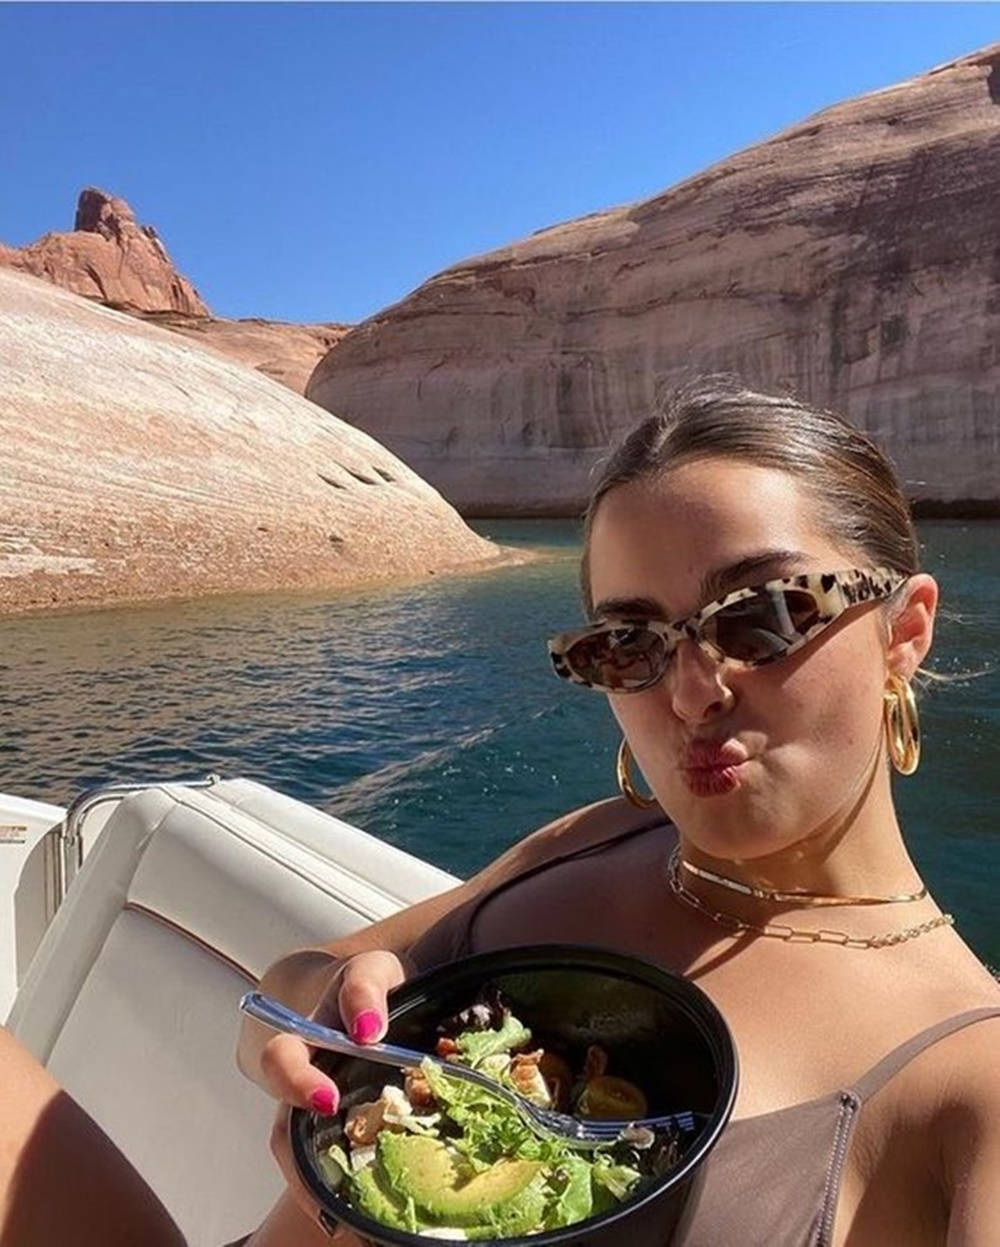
{"x":722,"y":580}
{"x":715,"y":584}
{"x":628,"y":608}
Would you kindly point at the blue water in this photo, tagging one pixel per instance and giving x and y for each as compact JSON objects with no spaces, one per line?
{"x":429,"y":715}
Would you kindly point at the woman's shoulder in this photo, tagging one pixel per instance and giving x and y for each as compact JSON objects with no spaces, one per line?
{"x":974,"y":1070}
{"x":591,"y":828}
{"x":445,"y":931}
{"x":932,"y":1108}
{"x":959,"y":1078}
{"x":948,"y":1063}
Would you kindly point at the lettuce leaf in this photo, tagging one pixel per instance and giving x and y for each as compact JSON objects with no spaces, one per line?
{"x":618,"y":1180}
{"x":576,"y":1199}
{"x":474,"y":1045}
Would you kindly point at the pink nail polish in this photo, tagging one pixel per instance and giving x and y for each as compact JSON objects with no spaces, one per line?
{"x":325,"y":1101}
{"x":366,"y":1026}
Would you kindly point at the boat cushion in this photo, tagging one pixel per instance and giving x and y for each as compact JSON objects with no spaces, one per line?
{"x":185,"y":898}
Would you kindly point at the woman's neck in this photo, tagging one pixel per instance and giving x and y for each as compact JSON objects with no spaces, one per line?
{"x":859,"y":852}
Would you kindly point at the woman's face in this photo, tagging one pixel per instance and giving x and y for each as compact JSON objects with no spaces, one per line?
{"x":745,"y":762}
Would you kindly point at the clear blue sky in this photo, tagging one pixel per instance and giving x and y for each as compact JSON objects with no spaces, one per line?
{"x":317,"y":162}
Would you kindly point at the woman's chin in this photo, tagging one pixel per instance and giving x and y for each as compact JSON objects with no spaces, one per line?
{"x":730,"y":818}
{"x":739,"y":838}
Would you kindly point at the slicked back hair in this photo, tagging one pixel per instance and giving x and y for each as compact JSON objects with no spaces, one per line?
{"x":859,"y":501}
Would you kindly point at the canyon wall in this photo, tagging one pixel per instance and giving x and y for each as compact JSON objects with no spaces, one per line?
{"x":853,"y":259}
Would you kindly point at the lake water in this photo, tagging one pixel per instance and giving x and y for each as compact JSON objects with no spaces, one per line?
{"x":429,"y":715}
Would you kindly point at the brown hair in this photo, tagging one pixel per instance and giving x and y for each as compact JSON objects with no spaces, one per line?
{"x":849,"y":477}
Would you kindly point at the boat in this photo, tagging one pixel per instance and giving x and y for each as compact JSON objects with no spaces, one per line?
{"x":133,"y":922}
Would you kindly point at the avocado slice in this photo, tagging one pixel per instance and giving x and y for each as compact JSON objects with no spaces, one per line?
{"x":425,"y":1170}
{"x":524,"y":1214}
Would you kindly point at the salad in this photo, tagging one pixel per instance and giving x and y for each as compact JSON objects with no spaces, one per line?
{"x":446,"y":1159}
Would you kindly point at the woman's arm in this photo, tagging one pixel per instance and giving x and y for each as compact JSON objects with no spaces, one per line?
{"x":62,"y":1180}
{"x":351,"y":975}
{"x":320,"y":979}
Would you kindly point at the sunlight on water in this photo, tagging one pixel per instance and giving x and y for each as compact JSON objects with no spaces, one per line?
{"x":429,"y":714}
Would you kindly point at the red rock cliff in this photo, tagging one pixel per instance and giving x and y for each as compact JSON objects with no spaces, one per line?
{"x":123,"y":265}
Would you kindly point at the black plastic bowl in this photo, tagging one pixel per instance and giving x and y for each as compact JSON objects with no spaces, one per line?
{"x":659,"y":1030}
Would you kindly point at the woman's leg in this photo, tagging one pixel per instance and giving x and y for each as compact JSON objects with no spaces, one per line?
{"x":62,"y":1180}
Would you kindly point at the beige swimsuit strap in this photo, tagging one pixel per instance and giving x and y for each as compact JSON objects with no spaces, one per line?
{"x":879,"y":1074}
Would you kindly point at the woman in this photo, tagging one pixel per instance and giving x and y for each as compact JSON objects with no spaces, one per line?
{"x":765,"y":721}
{"x":770,"y":868}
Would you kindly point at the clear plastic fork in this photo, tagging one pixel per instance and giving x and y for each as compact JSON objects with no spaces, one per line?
{"x":546,"y":1122}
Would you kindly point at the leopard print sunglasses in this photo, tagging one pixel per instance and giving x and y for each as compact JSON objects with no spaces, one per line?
{"x":749,"y":628}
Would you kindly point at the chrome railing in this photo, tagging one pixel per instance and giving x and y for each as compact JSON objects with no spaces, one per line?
{"x":69,"y":833}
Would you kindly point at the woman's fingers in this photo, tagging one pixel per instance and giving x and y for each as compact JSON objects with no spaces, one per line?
{"x":356,"y":1001}
{"x":285,"y":1062}
{"x":365,"y":982}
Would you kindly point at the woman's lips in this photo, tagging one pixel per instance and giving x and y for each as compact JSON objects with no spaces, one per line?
{"x":711,"y":769}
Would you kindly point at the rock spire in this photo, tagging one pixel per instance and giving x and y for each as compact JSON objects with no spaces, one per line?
{"x":110,"y":257}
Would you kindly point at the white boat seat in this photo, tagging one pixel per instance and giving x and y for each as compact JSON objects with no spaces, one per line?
{"x":185,"y":898}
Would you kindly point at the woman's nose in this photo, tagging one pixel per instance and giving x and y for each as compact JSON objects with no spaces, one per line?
{"x":697,"y":689}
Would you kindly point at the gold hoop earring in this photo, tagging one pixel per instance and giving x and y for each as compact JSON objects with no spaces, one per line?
{"x":902,"y":725}
{"x":623,"y":773}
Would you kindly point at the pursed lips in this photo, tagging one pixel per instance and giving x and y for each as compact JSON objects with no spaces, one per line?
{"x":710,"y":768}
{"x":706,"y":755}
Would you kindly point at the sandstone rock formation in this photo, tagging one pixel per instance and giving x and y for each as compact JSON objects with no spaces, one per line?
{"x":109,"y":257}
{"x":134,"y":464}
{"x":854,"y":258}
{"x":285,"y":352}
{"x":112,"y":259}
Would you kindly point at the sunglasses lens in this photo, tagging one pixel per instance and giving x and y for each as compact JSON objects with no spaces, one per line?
{"x":619,"y":658}
{"x":759,"y":629}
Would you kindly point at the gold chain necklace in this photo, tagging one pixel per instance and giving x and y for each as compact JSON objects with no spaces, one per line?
{"x":810,"y":899}
{"x":793,"y":935}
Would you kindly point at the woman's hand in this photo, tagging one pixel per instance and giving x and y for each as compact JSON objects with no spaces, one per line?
{"x":355,"y":1001}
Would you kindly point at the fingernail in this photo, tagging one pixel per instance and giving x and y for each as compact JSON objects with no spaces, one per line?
{"x":325,"y":1101}
{"x":366,"y":1026}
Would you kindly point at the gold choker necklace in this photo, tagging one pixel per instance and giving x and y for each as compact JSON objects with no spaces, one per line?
{"x":793,"y":935}
{"x":811,"y":899}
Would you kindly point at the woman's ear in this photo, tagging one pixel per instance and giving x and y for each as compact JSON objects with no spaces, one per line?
{"x":911,"y":627}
